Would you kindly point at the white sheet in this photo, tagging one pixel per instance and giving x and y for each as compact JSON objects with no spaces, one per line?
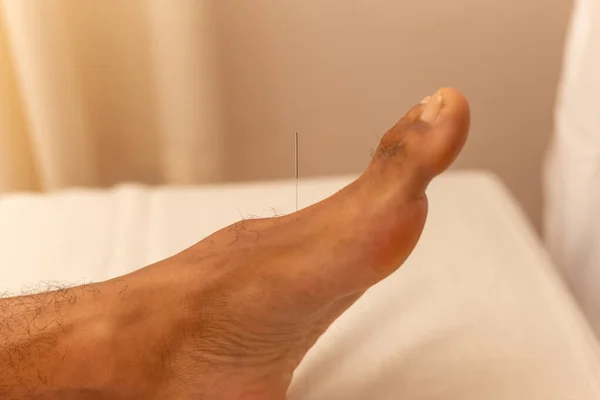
{"x":572,"y":213}
{"x":477,"y":312}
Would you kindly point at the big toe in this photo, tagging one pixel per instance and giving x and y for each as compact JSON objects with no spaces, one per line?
{"x":447,"y":119}
{"x":425,"y":141}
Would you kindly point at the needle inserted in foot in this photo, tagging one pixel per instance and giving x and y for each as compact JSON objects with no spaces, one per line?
{"x":296,"y":166}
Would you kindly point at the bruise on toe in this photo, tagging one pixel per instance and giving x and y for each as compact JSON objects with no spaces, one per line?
{"x":393,"y":144}
{"x":394,"y":149}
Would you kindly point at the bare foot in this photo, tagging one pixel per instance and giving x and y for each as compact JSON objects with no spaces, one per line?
{"x":232,"y":316}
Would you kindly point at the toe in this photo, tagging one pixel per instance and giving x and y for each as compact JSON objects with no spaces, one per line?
{"x":447,"y":117}
{"x":426,"y":140}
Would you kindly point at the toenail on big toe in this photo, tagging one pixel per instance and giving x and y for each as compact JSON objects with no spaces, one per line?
{"x":433,"y":107}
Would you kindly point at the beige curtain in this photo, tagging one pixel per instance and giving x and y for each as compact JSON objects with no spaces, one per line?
{"x":97,"y":92}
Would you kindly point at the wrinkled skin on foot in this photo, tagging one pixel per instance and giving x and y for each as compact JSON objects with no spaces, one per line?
{"x":232,"y":316}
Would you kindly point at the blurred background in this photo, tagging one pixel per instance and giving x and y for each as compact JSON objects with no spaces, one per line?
{"x":98,"y":92}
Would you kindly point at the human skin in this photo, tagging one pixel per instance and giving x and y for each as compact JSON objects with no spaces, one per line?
{"x":232,"y":316}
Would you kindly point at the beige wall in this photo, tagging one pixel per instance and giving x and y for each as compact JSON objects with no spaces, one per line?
{"x":340,"y":72}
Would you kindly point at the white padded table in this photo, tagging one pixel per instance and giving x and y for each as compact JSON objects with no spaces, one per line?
{"x":476,"y":313}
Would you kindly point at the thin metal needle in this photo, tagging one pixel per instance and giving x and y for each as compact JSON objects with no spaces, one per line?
{"x":296,"y":166}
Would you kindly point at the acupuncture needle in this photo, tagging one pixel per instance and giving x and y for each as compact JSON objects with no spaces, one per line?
{"x":296,"y":165}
